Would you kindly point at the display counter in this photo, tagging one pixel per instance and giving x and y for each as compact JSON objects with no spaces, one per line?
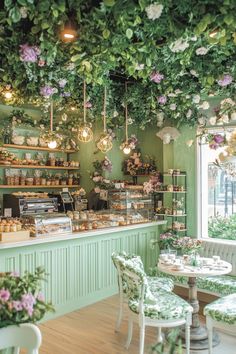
{"x":79,"y":263}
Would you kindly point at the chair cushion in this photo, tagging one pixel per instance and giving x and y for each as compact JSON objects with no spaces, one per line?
{"x":167,"y":306}
{"x":157,"y":283}
{"x":221,"y":284}
{"x":223,"y":309}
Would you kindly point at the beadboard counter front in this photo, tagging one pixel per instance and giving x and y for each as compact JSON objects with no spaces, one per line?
{"x":79,"y":264}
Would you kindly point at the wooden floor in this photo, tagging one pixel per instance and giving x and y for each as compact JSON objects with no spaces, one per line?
{"x":91,"y":331}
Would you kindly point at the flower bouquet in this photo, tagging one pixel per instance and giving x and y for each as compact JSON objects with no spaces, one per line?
{"x":21,"y":299}
{"x":187,"y":245}
{"x":166,"y":240}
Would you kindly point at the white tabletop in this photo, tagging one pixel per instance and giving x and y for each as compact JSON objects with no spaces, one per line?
{"x":208,"y":269}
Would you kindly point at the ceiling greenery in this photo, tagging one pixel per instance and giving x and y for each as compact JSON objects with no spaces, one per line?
{"x":172,"y":52}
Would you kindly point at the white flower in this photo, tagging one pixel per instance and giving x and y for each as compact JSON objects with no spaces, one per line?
{"x":64,"y":117}
{"x":130,"y":121}
{"x":212,"y":120}
{"x":205,"y":105}
{"x":189,"y":143}
{"x":177,"y":115}
{"x":115,"y":114}
{"x":189,"y":113}
{"x":202,"y":51}
{"x":187,"y":96}
{"x":160,"y":116}
{"x":139,"y":67}
{"x":57,"y":128}
{"x":225,"y":118}
{"x":178,"y":91}
{"x":194,"y":73}
{"x":201,"y":121}
{"x":227,"y":100}
{"x":179,"y":45}
{"x":160,"y":123}
{"x":196,"y":98}
{"x":233,"y":116}
{"x":194,"y":38}
{"x":154,"y":11}
{"x":171,"y":95}
{"x":23,"y":12}
{"x":173,"y":107}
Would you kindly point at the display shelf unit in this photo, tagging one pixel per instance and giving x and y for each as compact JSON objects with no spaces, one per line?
{"x":174,"y":179}
{"x":40,"y":167}
{"x":9,"y":186}
{"x":38,"y":148}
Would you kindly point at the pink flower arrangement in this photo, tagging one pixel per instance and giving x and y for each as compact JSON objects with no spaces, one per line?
{"x":156,"y":77}
{"x":225,"y":80}
{"x":29,"y":54}
{"x":162,"y":100}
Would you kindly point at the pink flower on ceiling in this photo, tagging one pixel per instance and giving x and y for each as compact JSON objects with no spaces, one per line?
{"x":29,"y":54}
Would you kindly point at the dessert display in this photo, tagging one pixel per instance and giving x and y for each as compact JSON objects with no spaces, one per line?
{"x":31,"y":194}
{"x":10,"y":225}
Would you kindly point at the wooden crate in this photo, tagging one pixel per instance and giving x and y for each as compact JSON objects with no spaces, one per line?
{"x":14,"y":236}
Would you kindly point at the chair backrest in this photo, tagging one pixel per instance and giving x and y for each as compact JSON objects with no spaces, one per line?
{"x":136,"y":287}
{"x":26,"y":336}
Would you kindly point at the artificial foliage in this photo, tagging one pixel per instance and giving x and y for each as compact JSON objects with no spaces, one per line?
{"x":171,"y":52}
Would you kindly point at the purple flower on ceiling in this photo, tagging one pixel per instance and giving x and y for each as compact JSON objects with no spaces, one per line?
{"x":65,"y":94}
{"x":4,"y":295}
{"x":47,"y":91}
{"x":219,"y":139}
{"x":62,"y":83}
{"x":156,"y":77}
{"x":29,"y":54}
{"x":225,"y":81}
{"x":162,"y":99}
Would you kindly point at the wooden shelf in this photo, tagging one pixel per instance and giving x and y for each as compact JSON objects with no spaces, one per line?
{"x":40,"y":186}
{"x":156,"y":192}
{"x":175,"y":174}
{"x":40,"y":167}
{"x":170,"y":215}
{"x":37,"y":148}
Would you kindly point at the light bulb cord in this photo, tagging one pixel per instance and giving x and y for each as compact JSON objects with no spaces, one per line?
{"x":126,"y":115}
{"x":51,"y":115}
{"x":104,"y":110}
{"x":84,"y":92}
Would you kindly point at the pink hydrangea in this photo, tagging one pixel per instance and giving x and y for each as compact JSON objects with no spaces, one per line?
{"x":162,"y":99}
{"x":4,"y":295}
{"x":225,"y":81}
{"x":17,"y":305}
{"x":29,"y":54}
{"x":156,"y":77}
{"x":47,"y":91}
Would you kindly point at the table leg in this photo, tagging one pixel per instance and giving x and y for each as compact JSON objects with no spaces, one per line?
{"x":198,"y":333}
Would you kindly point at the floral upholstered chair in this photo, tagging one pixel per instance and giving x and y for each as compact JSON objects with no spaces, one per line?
{"x":162,"y":309}
{"x":221,"y":314}
{"x":155,"y":283}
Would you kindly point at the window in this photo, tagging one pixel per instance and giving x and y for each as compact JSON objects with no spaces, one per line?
{"x":218,"y":188}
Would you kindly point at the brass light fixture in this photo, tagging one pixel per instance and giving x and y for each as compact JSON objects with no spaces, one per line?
{"x":69,"y":33}
{"x":105,"y":142}
{"x":85,"y":133}
{"x":52,"y":144}
{"x":126,"y":147}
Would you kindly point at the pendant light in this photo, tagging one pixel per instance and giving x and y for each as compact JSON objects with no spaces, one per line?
{"x":69,"y":32}
{"x":85,"y":133}
{"x":52,"y":144}
{"x":126,"y":146}
{"x":105,"y":142}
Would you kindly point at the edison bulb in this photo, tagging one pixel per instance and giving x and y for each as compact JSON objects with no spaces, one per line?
{"x":8,"y":95}
{"x":126,"y":150}
{"x":84,"y":134}
{"x":105,"y":142}
{"x":52,"y":144}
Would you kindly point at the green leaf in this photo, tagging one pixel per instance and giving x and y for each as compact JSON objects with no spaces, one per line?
{"x":229,"y":19}
{"x":106,"y":33}
{"x":15,"y":14}
{"x":87,"y":65}
{"x":7,"y":3}
{"x":55,"y":12}
{"x":109,"y":2}
{"x":22,"y":2}
{"x":75,"y":57}
{"x":129,"y":33}
{"x":142,"y":4}
{"x":148,"y":62}
{"x":45,"y":25}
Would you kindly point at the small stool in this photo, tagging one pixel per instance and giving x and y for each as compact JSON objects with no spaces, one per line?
{"x":220,"y":314}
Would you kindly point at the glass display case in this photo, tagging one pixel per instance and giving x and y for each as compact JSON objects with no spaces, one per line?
{"x":47,"y":224}
{"x":133,"y":203}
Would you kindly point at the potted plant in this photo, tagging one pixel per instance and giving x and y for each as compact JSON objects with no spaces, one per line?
{"x":21,"y":299}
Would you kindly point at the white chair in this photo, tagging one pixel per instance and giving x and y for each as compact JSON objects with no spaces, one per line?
{"x":164,"y":310}
{"x":221,"y":314}
{"x":26,"y":336}
{"x":155,"y":283}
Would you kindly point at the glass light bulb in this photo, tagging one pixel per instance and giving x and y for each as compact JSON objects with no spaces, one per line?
{"x":52,"y":144}
{"x":84,"y":134}
{"x":126,"y":150}
{"x":105,"y":142}
{"x":8,"y":95}
{"x":69,"y":35}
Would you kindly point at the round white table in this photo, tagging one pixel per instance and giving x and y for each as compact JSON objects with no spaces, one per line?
{"x":198,"y":333}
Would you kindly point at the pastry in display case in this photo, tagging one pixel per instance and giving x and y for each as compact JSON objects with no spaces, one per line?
{"x":47,"y":224}
{"x":132,"y":203}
